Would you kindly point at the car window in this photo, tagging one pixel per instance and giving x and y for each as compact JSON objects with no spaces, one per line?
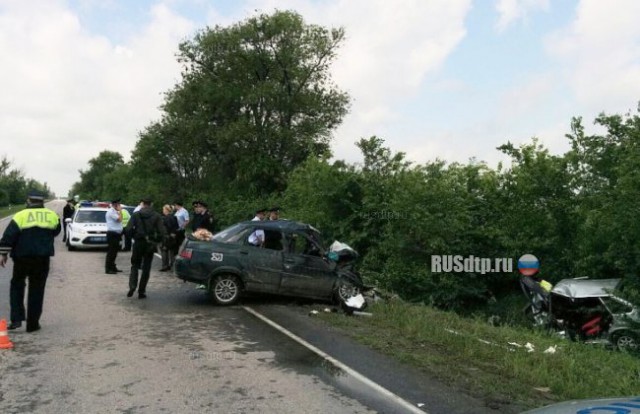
{"x":91,"y":217}
{"x":234,"y":232}
{"x":617,"y":306}
{"x":314,"y":235}
{"x":273,"y":240}
{"x":237,"y":237}
{"x":300,"y":243}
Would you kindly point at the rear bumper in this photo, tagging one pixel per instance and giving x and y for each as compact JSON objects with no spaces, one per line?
{"x":184,"y":272}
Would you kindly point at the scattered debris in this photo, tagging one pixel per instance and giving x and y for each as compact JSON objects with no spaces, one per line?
{"x":494,"y":320}
{"x":529,"y":347}
{"x":313,"y":312}
{"x":358,"y":313}
{"x":517,"y":345}
{"x":201,"y":287}
{"x":542,"y":389}
{"x":356,"y":301}
{"x":551,"y":350}
{"x":420,"y":405}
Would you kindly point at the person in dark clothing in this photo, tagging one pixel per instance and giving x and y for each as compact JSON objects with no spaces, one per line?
{"x":113,"y":218}
{"x":202,"y":219}
{"x":67,"y":213}
{"x":29,"y":240}
{"x":147,"y":231}
{"x":169,"y":247}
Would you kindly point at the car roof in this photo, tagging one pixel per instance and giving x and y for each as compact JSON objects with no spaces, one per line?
{"x":282,"y":225}
{"x":585,"y":288}
{"x":93,"y":209}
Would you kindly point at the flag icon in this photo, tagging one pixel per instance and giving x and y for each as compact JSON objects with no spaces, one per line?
{"x":528,"y":265}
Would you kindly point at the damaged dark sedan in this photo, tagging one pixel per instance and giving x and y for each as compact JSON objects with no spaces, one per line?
{"x":291,"y":261}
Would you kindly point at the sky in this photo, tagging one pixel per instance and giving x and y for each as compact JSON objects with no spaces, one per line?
{"x":436,"y":79}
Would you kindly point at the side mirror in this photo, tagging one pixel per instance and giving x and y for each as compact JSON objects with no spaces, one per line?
{"x":67,"y":220}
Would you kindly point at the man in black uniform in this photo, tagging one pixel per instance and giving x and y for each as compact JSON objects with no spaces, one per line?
{"x":148,"y":231}
{"x":67,"y":213}
{"x":29,"y":240}
{"x":202,"y":219}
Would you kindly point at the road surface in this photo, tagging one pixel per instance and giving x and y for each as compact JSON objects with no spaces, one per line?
{"x":174,"y":352}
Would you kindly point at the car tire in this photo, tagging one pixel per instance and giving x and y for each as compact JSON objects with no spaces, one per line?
{"x":225,"y":289}
{"x":344,"y":290}
{"x":625,"y":340}
{"x":69,"y":246}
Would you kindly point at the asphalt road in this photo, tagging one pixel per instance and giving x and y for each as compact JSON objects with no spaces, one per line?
{"x":174,"y":352}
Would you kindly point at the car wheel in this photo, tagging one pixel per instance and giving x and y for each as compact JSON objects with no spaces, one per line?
{"x":225,"y":289}
{"x":345,"y":290}
{"x":625,"y":340}
{"x":69,"y":246}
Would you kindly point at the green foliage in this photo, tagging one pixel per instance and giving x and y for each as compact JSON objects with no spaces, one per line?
{"x":255,"y":101}
{"x":14,"y":185}
{"x":249,"y":126}
{"x":98,"y":182}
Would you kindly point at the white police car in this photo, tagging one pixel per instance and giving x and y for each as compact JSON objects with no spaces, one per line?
{"x":87,"y":228}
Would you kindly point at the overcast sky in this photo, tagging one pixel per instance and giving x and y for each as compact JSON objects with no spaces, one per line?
{"x":448,"y":79}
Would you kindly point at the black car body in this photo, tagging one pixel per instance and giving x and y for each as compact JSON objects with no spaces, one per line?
{"x":292,"y":262}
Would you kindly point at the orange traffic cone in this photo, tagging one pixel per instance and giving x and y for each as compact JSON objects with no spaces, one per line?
{"x":5,"y":342}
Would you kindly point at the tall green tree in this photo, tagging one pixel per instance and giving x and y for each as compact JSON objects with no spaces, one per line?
{"x":606,"y":172}
{"x":94,"y":182}
{"x":256,"y":100}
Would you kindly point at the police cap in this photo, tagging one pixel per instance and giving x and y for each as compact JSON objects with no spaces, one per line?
{"x":35,"y":195}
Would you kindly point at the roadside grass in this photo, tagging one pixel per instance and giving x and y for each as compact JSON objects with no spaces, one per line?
{"x":471,"y":354}
{"x":7,"y":211}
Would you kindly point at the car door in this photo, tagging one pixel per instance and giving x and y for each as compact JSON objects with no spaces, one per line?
{"x":306,"y":272}
{"x":262,"y":265}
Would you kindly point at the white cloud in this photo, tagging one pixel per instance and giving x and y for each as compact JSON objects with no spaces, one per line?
{"x":526,"y":96}
{"x":390,"y":48}
{"x":68,"y":94}
{"x":510,"y":11}
{"x":600,"y":52}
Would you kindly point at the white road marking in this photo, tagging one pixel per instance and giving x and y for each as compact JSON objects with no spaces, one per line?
{"x":406,"y":404}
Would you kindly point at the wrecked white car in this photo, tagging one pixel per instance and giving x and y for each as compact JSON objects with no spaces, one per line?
{"x":586,"y":310}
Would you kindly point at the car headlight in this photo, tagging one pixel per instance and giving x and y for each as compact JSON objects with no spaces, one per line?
{"x":79,"y":230}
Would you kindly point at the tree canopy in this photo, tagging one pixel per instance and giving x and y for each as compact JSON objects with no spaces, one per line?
{"x":250,"y":124}
{"x":256,"y":100}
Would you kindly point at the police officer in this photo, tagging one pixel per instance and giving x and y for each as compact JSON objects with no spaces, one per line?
{"x":144,"y":224}
{"x":29,"y":240}
{"x":202,"y":219}
{"x":182,"y":215}
{"x":67,"y":213}
{"x":257,"y":237}
{"x":127,"y":237}
{"x":114,"y":235}
{"x":274,"y":213}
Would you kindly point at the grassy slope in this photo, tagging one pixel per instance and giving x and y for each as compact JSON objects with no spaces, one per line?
{"x":472,"y":355}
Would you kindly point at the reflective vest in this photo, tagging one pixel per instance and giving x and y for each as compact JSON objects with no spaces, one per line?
{"x":31,"y":233}
{"x":125,"y":217}
{"x":36,"y":217}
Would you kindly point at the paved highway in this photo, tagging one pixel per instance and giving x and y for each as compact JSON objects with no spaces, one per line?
{"x":174,"y":352}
